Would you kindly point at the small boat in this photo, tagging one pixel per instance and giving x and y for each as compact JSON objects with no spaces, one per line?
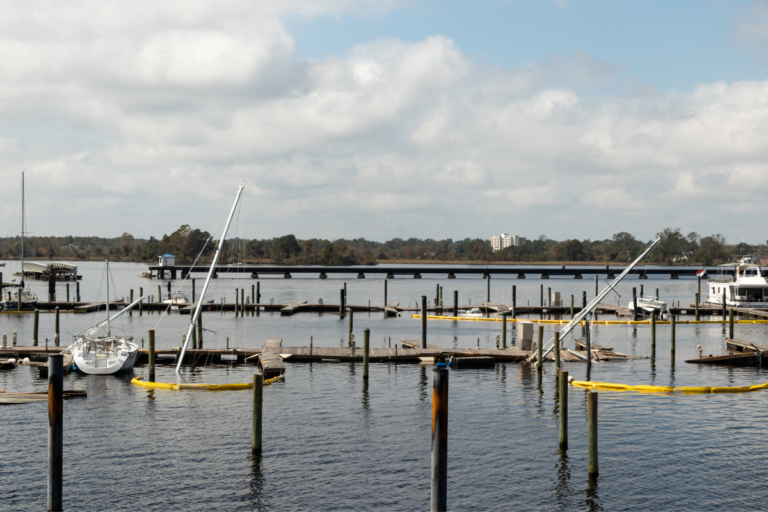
{"x":107,"y":354}
{"x":750,"y":359}
{"x":22,"y":298}
{"x":647,"y":306}
{"x":174,"y":298}
{"x":474,"y":312}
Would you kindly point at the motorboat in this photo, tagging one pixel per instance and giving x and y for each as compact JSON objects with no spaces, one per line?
{"x":474,"y":312}
{"x":745,"y":287}
{"x":175,"y":299}
{"x":97,"y":352}
{"x":21,"y":298}
{"x":647,"y":306}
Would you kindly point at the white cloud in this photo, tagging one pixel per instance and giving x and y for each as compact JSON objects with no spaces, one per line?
{"x":160,"y":109}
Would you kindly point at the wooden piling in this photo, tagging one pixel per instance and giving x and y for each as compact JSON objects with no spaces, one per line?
{"x":504,"y":330}
{"x":423,"y":321}
{"x":193,"y":341}
{"x":456,"y":303}
{"x":539,"y":349}
{"x":641,"y":291}
{"x":571,"y":307}
{"x":55,"y":430}
{"x":385,"y":296}
{"x":193,"y":290}
{"x":242,"y":302}
{"x":253,"y":293}
{"x":258,"y":294}
{"x":672,"y":336}
{"x":56,"y":322}
{"x":587,"y":323}
{"x":67,"y":291}
{"x":35,"y":326}
{"x":237,"y":301}
{"x":653,"y":335}
{"x":130,"y":312}
{"x":341,"y":303}
{"x":366,"y":349}
{"x":151,"y":366}
{"x":564,"y":410}
{"x":349,"y":335}
{"x":200,"y":330}
{"x":159,"y":294}
{"x":634,"y":304}
{"x":141,"y":294}
{"x":514,"y":301}
{"x":549,"y":296}
{"x":557,"y":352}
{"x":592,"y":432}
{"x":657,"y":294}
{"x":541,"y":296}
{"x":697,"y":303}
{"x":77,"y":291}
{"x":724,"y":313}
{"x":256,"y":420}
{"x":439,"y":502}
{"x":730,"y":323}
{"x":597,"y":292}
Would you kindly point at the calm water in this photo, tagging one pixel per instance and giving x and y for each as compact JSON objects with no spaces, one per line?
{"x":332,"y":444}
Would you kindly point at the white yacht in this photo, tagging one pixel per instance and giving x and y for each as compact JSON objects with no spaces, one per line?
{"x":745,"y":288}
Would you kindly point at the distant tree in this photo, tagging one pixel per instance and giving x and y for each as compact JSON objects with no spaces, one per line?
{"x":285,"y":247}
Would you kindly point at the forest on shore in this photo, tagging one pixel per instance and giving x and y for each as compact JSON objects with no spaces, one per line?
{"x":190,"y":245}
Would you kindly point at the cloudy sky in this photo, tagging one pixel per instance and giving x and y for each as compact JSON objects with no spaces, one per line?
{"x":569,"y":118}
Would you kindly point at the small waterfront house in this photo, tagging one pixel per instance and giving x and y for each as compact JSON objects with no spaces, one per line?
{"x":167,"y":260}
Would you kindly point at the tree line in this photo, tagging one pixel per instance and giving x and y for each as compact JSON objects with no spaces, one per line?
{"x":190,"y":245}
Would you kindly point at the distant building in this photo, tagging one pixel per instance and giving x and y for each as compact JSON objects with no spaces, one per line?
{"x":167,"y":260}
{"x":502,"y":242}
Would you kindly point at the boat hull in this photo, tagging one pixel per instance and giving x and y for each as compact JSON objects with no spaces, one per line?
{"x":9,"y":305}
{"x":749,"y":359}
{"x":93,"y":362}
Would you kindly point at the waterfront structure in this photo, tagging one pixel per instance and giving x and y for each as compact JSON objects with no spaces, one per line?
{"x":502,"y":242}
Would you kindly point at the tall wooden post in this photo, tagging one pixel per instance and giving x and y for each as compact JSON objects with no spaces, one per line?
{"x":258,"y":294}
{"x":549,"y":296}
{"x":564,"y":410}
{"x":141,"y":294}
{"x":349,"y":334}
{"x":592,"y":432}
{"x":641,"y":291}
{"x":653,"y":334}
{"x":634,"y":304}
{"x":55,"y":430}
{"x":597,"y":292}
{"x":385,"y":296}
{"x":253,"y":293}
{"x":237,"y":301}
{"x":571,"y":307}
{"x":587,"y":323}
{"x":256,"y":420}
{"x":539,"y":350}
{"x":541,"y":296}
{"x":35,"y":325}
{"x":514,"y":301}
{"x":341,"y":303}
{"x":423,"y":321}
{"x":151,"y":365}
{"x":730,"y":323}
{"x":366,"y":349}
{"x":58,"y":336}
{"x":1,"y":278}
{"x":724,"y":304}
{"x":557,"y":352}
{"x":242,"y":302}
{"x":130,"y":313}
{"x":697,"y":304}
{"x":455,"y":303}
{"x":200,"y":330}
{"x":672,"y":336}
{"x":159,"y":294}
{"x":503,"y":330}
{"x":193,"y":290}
{"x":77,"y":290}
{"x":439,"y":501}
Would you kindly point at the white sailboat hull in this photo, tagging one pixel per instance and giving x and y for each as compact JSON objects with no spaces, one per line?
{"x":100,"y":357}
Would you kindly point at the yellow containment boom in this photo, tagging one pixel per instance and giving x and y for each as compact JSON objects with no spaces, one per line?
{"x":666,"y":389}
{"x":200,"y":387}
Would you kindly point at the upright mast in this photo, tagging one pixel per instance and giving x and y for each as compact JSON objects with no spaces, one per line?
{"x":108,"y":332}
{"x":193,"y":321}
{"x":22,"y":231}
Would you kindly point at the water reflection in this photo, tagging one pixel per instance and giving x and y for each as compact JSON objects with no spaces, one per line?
{"x":423,"y":383}
{"x":563,"y":489}
{"x":365,"y":397}
{"x":256,"y":485}
{"x":592,"y":500}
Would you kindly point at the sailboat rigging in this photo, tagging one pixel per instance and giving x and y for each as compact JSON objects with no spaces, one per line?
{"x":20,"y":299}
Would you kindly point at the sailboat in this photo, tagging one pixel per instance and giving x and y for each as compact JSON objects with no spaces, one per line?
{"x":97,"y":352}
{"x":21,"y":298}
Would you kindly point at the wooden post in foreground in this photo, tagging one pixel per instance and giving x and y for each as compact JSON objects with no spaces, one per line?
{"x":56,"y":337}
{"x":423,"y":321}
{"x":503,"y":330}
{"x":592,"y":432}
{"x":200,"y":330}
{"x":151,"y":355}
{"x":55,"y":430}
{"x":730,"y":323}
{"x":653,"y":334}
{"x":564,"y":410}
{"x":366,"y":348}
{"x":697,"y":304}
{"x":256,"y":422}
{"x":439,"y":440}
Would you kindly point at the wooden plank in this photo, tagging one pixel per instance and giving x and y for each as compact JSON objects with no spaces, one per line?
{"x":581,"y":345}
{"x":745,"y":346}
{"x":273,"y":342}
{"x":292,"y":308}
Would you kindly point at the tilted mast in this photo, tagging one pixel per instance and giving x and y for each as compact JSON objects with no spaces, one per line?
{"x":22,"y":233}
{"x":583,"y":313}
{"x":193,"y":321}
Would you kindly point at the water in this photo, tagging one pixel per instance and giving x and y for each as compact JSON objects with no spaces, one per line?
{"x":330,"y":443}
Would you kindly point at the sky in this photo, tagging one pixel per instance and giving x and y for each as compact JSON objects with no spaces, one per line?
{"x":394,"y":118}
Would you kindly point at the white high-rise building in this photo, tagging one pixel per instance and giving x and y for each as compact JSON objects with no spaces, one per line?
{"x":502,"y":242}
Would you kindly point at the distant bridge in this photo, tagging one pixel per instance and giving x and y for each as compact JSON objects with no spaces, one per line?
{"x":450,"y":271}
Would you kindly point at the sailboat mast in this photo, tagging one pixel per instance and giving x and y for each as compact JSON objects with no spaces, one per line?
{"x":193,"y":320}
{"x":108,"y":332}
{"x":22,"y":231}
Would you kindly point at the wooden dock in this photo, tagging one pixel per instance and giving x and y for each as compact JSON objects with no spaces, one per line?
{"x":392,"y":309}
{"x":98,"y":306}
{"x":292,"y":308}
{"x":270,"y":359}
